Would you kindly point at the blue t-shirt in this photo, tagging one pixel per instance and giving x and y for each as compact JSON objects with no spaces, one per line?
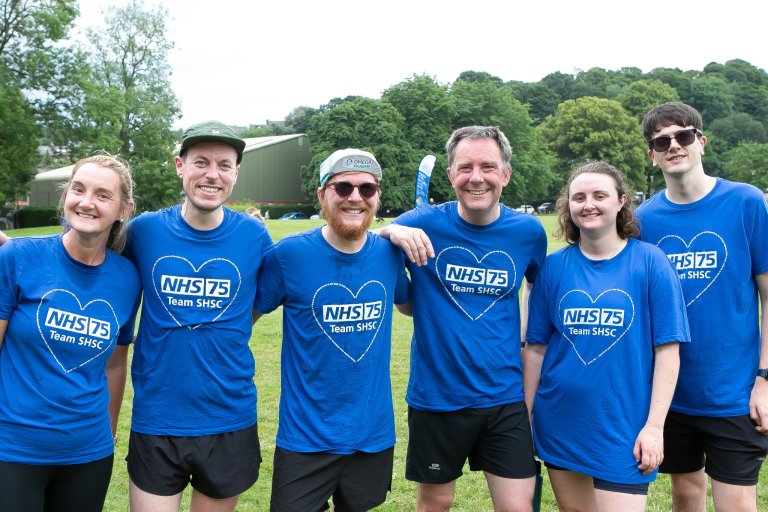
{"x":466,"y":313}
{"x":192,"y":367}
{"x":336,"y":394}
{"x":64,"y":318}
{"x":717,"y":244}
{"x":600,"y":321}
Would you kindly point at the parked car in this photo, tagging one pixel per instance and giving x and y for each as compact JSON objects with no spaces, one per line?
{"x":525,"y":208}
{"x":315,"y":216}
{"x":294,"y":216}
{"x":546,"y":207}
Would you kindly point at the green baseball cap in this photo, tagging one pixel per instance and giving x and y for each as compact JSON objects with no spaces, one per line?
{"x":212,"y":131}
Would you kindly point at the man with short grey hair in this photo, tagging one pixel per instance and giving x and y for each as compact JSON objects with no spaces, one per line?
{"x":465,"y":393}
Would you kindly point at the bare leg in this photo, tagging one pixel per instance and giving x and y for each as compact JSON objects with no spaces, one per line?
{"x":434,"y":497}
{"x":511,"y":494}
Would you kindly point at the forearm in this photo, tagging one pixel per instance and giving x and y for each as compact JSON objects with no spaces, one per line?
{"x":524,"y":296}
{"x":665,"y":371}
{"x":533,"y":356}
{"x":117,"y":371}
{"x":414,"y":242}
{"x":762,"y":286}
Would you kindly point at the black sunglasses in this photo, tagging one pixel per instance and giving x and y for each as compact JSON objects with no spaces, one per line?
{"x":683,"y":137}
{"x":345,"y":188}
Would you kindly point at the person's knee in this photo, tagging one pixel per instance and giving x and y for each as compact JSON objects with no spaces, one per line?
{"x":735,"y":498}
{"x":434,"y":498}
{"x":689,"y":491}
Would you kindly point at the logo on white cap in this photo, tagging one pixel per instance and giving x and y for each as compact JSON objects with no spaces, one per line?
{"x":358,"y":163}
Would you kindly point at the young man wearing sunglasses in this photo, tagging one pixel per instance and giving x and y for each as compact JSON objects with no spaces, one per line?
{"x":465,"y":392}
{"x":715,"y":233}
{"x":337,"y":285}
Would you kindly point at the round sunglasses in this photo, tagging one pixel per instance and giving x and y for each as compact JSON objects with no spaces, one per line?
{"x":345,"y":188}
{"x":683,"y":137}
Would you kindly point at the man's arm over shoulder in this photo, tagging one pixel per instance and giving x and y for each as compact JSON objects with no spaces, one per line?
{"x":413,"y":241}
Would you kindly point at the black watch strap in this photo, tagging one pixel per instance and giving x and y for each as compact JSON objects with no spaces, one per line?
{"x":762,"y":372}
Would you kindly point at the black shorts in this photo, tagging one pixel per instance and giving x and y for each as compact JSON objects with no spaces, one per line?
{"x":219,"y":466}
{"x":63,"y":488}
{"x":606,"y":485}
{"x":494,"y":439}
{"x":730,"y":449}
{"x":303,"y":482}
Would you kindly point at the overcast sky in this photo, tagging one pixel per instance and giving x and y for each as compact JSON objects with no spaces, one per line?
{"x":246,"y":61}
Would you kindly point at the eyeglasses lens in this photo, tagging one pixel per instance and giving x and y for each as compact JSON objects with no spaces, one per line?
{"x":683,"y":137}
{"x":344,"y":189}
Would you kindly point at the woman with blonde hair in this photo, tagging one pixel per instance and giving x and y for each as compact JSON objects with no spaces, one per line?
{"x":67,"y":304}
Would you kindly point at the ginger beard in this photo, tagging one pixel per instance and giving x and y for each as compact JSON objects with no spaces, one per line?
{"x":334,"y":216}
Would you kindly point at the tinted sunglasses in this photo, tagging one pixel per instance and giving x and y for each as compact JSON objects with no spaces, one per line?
{"x":683,"y":137}
{"x":345,"y":188}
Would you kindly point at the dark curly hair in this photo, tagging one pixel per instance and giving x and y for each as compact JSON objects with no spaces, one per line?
{"x":626,"y":223}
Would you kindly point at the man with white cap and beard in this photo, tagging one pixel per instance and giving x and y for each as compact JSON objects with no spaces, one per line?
{"x":337,"y":285}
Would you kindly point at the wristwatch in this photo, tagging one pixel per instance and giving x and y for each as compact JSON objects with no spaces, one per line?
{"x":762,"y":372}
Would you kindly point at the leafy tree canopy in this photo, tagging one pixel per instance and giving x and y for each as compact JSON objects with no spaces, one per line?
{"x":595,"y":129}
{"x":370,"y":125}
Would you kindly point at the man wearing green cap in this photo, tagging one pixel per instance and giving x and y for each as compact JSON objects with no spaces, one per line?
{"x":194,"y":405}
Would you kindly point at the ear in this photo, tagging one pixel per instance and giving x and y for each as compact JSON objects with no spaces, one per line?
{"x":703,"y":140}
{"x":623,"y":201}
{"x":507,"y":175}
{"x":179,"y":166}
{"x":126,"y":211}
{"x":320,"y":194}
{"x":448,"y":174}
{"x":650,"y":155}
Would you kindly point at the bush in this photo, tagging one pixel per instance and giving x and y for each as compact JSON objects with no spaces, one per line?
{"x":36,"y":216}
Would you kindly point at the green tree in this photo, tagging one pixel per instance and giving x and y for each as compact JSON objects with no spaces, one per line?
{"x":748,"y":163}
{"x":258,"y":131}
{"x":129,"y":106}
{"x":596,"y":129}
{"x":680,"y":80}
{"x":739,"y":127}
{"x":29,"y":31}
{"x":18,"y":141}
{"x":641,"y":96}
{"x":298,"y":120}
{"x":370,"y":125}
{"x":738,"y":70}
{"x":540,"y":99}
{"x":428,"y":111}
{"x":595,"y":82}
{"x":335,"y":102}
{"x":479,"y":77}
{"x":31,"y":50}
{"x":490,"y":104}
{"x":711,"y":95}
{"x":563,"y":84}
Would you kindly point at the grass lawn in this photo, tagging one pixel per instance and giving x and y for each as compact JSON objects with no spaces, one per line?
{"x":471,"y":492}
